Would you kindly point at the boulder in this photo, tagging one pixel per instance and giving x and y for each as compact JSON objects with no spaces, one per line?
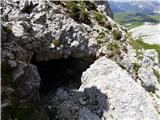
{"x":127,"y":99}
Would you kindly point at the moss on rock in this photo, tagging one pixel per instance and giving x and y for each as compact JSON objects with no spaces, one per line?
{"x":117,"y":34}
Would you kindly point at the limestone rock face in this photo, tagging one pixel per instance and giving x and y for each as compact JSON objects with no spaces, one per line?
{"x":48,"y":31}
{"x":149,"y":62}
{"x":45,"y":30}
{"x":127,"y":99}
{"x":148,"y":78}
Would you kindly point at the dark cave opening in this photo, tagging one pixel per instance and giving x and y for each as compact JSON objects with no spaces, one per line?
{"x":60,"y":73}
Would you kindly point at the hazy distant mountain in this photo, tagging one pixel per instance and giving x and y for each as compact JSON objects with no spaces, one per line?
{"x":141,"y":6}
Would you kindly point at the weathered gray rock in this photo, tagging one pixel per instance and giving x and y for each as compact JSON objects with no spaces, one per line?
{"x":149,"y":63}
{"x":105,"y":8}
{"x":127,"y":99}
{"x":31,"y":81}
{"x":148,"y":78}
{"x":150,"y":58}
{"x":128,"y":58}
{"x":58,"y":36}
{"x":86,"y":114}
{"x":87,"y":105}
{"x":17,"y":73}
{"x":12,"y":63}
{"x":43,"y":30}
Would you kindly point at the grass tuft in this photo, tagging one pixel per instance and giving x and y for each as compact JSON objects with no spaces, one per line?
{"x":114,"y":47}
{"x":101,"y":18}
{"x":117,"y":34}
{"x":78,"y":11}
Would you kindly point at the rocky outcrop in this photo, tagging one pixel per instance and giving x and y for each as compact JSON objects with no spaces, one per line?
{"x":34,"y":31}
{"x":127,"y":99}
{"x":104,"y":7}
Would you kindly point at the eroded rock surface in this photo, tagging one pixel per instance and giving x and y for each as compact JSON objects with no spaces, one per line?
{"x":41,"y":30}
{"x":127,"y":99}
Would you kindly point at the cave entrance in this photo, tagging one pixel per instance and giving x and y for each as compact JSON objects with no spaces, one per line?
{"x":60,"y":73}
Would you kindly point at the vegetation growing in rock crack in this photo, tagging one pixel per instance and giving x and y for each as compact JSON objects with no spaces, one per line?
{"x":78,"y":11}
{"x":136,"y":67}
{"x":56,"y":42}
{"x":117,"y":34}
{"x":58,"y":58}
{"x":100,"y":17}
{"x":114,"y":48}
{"x":139,"y":54}
{"x":157,"y":74}
{"x":108,"y":26}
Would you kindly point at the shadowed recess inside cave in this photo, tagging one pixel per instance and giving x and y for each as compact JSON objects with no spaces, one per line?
{"x":60,"y":73}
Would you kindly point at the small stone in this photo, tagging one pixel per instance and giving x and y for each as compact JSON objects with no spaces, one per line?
{"x":83,"y":102}
{"x":86,"y":114}
{"x":17,"y":73}
{"x":10,"y":55}
{"x":49,"y":106}
{"x":148,"y":78}
{"x":52,"y":45}
{"x":12,"y":63}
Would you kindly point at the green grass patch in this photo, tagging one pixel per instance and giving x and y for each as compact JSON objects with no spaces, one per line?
{"x":77,"y":10}
{"x":157,"y":74}
{"x":100,"y":37}
{"x":139,"y":44}
{"x":114,"y":47}
{"x":155,"y":17}
{"x":100,"y":17}
{"x":136,"y":67}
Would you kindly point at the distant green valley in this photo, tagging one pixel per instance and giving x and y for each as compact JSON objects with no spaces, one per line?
{"x":131,"y":20}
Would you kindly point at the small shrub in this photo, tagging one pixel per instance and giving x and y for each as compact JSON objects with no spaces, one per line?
{"x":56,"y":42}
{"x":99,"y":41}
{"x":90,"y":5}
{"x":108,"y":26}
{"x":139,"y":55}
{"x":78,"y":11}
{"x":7,"y":29}
{"x":101,"y":19}
{"x":99,"y":38}
{"x":84,"y":15}
{"x":101,"y":35}
{"x":117,"y":34}
{"x":136,"y":66}
{"x":114,"y":47}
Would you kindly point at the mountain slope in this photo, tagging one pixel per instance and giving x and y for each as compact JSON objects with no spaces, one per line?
{"x":66,"y":60}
